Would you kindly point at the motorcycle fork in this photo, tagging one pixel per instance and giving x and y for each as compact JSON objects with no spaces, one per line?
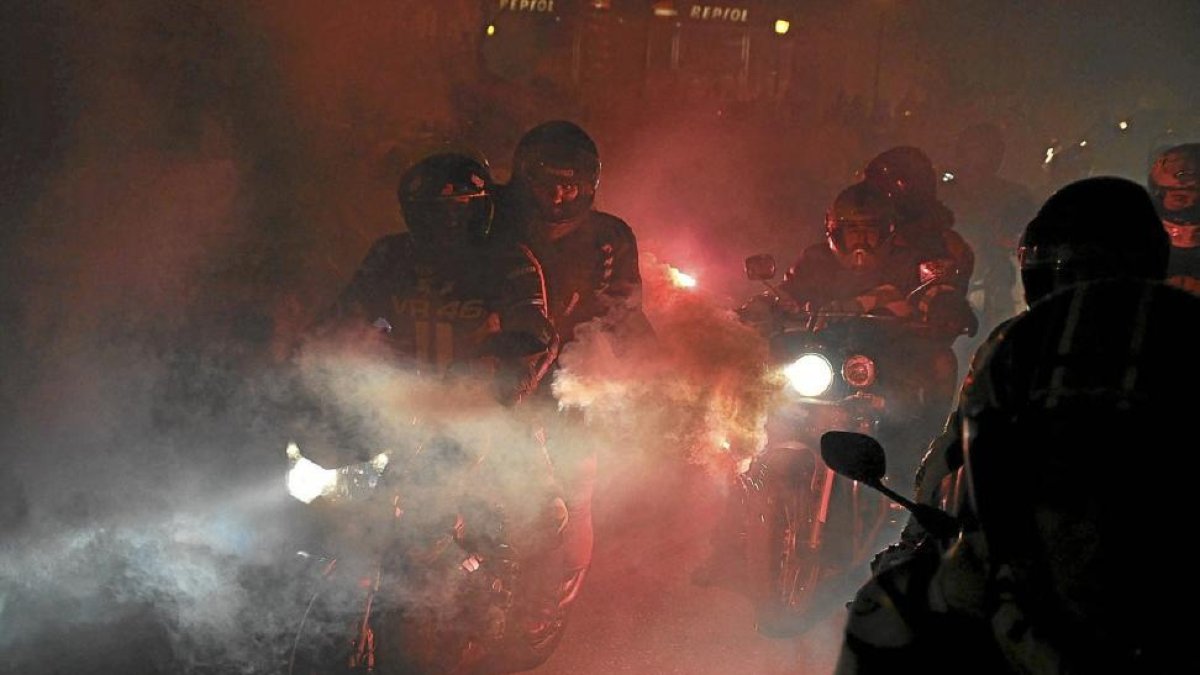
{"x":825,"y":478}
{"x":362,"y":654}
{"x":862,"y":535}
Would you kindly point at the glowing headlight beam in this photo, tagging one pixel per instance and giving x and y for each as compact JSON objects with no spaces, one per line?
{"x":810,"y":375}
{"x":307,"y":480}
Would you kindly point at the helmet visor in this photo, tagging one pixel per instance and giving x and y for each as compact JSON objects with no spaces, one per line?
{"x":450,"y":222}
{"x":561,"y":193}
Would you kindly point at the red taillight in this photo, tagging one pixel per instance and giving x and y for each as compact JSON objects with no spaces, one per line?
{"x":859,"y":371}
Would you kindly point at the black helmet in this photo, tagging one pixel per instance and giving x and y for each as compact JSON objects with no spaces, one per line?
{"x":1175,"y":187}
{"x":558,"y":155}
{"x":447,"y":200}
{"x":905,"y":174}
{"x":858,"y":225}
{"x":1096,"y":228}
{"x":1071,"y":458}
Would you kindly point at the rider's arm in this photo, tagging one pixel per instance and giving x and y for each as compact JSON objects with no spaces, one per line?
{"x":759,"y":312}
{"x":884,"y":299}
{"x":810,"y":281}
{"x":325,"y":433}
{"x":961,"y":255}
{"x":621,"y":281}
{"x":944,"y":308}
{"x":387,"y":260}
{"x":526,"y":342}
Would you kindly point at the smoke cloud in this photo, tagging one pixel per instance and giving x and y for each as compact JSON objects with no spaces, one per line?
{"x":699,"y":391}
{"x":186,"y":184}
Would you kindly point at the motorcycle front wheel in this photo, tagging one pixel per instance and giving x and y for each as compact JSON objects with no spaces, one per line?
{"x":817,"y":532}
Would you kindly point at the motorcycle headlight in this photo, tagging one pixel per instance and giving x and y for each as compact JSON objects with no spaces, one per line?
{"x":810,"y":375}
{"x":306,"y":480}
{"x":859,"y":371}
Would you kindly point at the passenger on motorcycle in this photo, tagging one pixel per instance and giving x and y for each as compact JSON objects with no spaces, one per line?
{"x":590,"y":257}
{"x":590,"y":260}
{"x":923,"y":223}
{"x":1064,"y":562}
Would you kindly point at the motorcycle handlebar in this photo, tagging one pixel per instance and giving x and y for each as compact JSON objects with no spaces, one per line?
{"x":813,"y":321}
{"x":805,"y":321}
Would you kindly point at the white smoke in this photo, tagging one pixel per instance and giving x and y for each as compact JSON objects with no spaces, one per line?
{"x":701,"y":390}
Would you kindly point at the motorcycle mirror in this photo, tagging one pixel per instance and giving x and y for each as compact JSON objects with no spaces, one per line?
{"x":860,"y":457}
{"x":760,"y":267}
{"x":855,"y":456}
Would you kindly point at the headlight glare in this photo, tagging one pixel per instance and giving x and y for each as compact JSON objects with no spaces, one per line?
{"x":810,"y":375}
{"x":306,"y":480}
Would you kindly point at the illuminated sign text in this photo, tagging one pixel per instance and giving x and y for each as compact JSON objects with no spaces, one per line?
{"x":719,"y":13}
{"x":527,"y":5}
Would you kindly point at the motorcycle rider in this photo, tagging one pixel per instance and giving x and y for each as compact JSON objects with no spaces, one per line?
{"x":1175,"y":186}
{"x":590,"y":260}
{"x":446,"y":293}
{"x":861,"y":269}
{"x":1095,"y":230}
{"x":857,"y":267}
{"x":1059,"y":566}
{"x":857,"y":273}
{"x":451,"y":301}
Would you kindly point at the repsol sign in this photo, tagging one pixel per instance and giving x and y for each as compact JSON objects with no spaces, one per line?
{"x":545,"y":6}
{"x":719,"y":13}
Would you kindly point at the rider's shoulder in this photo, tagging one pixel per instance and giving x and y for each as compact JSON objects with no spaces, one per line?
{"x":815,"y":256}
{"x":759,"y":308}
{"x":817,"y":251}
{"x":393,"y":241}
{"x":610,"y":226}
{"x":390,"y":249}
